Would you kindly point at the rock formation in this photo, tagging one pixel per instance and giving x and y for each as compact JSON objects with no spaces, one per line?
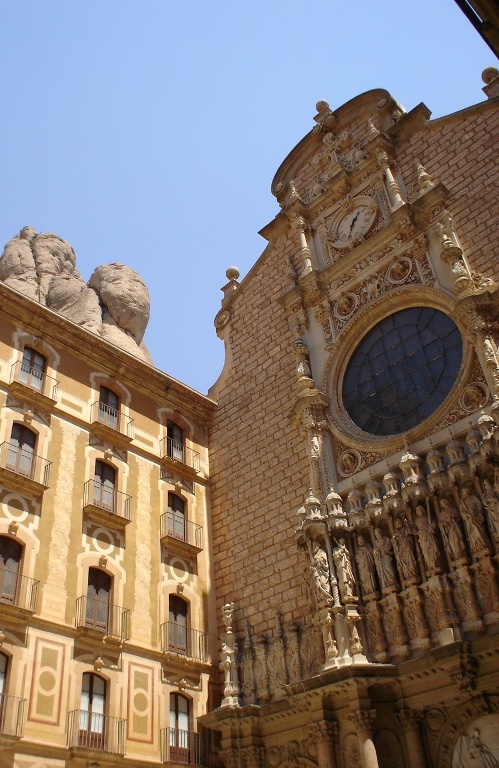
{"x":114,"y":304}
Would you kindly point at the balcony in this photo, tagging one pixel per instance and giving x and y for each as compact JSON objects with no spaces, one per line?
{"x":93,"y":732}
{"x":105,"y":506}
{"x":179,"y":746}
{"x":111,"y":425}
{"x":12,"y":716}
{"x":22,"y":471}
{"x":180,"y":641}
{"x":174,"y":452}
{"x":32,"y":385}
{"x":18,"y":595}
{"x":100,"y":619}
{"x":180,"y":535}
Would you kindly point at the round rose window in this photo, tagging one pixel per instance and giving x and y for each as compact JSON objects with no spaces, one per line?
{"x":402,"y":370}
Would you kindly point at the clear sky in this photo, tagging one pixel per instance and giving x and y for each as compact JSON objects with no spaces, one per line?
{"x":148,"y":131}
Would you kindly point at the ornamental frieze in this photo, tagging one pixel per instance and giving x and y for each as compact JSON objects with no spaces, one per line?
{"x":406,"y":270}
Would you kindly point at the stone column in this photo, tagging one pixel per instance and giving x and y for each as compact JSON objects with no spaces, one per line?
{"x":305,"y":250}
{"x":410,"y":725}
{"x":363,"y":721}
{"x":324,"y":734}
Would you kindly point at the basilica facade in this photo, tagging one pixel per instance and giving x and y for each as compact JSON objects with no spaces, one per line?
{"x":356,"y":524}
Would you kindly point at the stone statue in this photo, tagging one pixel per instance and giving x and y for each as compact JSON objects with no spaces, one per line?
{"x":114,"y":304}
{"x":344,"y":572}
{"x":320,"y":571}
{"x":404,"y":549}
{"x":490,"y":500}
{"x":426,"y":536}
{"x":472,"y":513}
{"x":384,"y":561}
{"x":451,"y":532}
{"x":367,"y":568}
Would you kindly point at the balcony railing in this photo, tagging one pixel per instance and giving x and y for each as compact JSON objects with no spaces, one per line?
{"x":182,"y":641}
{"x":101,"y":617}
{"x":93,"y":731}
{"x":104,"y":497}
{"x":12,"y":715}
{"x":24,"y":463}
{"x":34,"y":379}
{"x":112,"y":418}
{"x":174,"y":526}
{"x":179,"y":746}
{"x":20,"y":592}
{"x":177,"y":451}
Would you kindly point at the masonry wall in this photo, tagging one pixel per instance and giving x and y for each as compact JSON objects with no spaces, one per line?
{"x":258,"y":459}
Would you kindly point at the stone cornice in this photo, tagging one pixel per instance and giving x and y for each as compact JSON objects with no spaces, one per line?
{"x":107,"y":358}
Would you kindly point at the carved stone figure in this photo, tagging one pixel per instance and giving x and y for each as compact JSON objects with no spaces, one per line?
{"x":404,"y":549}
{"x":365,"y":562}
{"x":491,"y":503}
{"x":344,"y":572}
{"x":320,"y":571}
{"x":472,"y":514}
{"x":451,"y":532}
{"x":426,"y":536}
{"x":114,"y":304}
{"x":384,"y":561}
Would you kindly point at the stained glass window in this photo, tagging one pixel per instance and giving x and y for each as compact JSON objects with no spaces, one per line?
{"x":402,"y":370}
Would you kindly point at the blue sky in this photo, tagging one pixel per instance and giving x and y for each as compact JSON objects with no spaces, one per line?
{"x":148,"y":131}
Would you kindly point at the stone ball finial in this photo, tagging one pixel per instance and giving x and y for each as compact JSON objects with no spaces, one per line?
{"x":232,"y":273}
{"x":321,"y":106}
{"x":489,"y":74}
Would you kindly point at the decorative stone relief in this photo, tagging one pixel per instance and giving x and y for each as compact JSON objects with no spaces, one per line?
{"x":228,"y":663}
{"x":478,"y":745}
{"x":407,"y":269}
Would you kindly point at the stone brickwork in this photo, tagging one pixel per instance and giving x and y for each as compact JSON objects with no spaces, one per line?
{"x":356,"y":546}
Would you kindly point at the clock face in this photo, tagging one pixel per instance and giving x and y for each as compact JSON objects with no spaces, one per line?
{"x":353,"y":225}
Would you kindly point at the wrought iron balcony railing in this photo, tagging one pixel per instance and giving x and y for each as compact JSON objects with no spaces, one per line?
{"x":179,"y":746}
{"x":91,"y":730}
{"x":36,"y":380}
{"x":19,"y":591}
{"x":175,"y":526}
{"x":106,"y":498}
{"x":177,"y":451}
{"x":183,"y":641}
{"x":12,"y":715}
{"x":102,"y":617}
{"x":24,"y":463}
{"x":113,"y":418}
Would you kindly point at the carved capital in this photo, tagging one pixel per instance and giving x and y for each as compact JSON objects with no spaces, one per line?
{"x":323,"y":732}
{"x":363,"y":720}
{"x":252,"y":757}
{"x":409,"y":719}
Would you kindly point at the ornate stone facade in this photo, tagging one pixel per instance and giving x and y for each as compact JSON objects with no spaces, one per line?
{"x":388,"y":607}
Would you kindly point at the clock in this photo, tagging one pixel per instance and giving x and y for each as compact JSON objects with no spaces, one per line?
{"x":351,"y":224}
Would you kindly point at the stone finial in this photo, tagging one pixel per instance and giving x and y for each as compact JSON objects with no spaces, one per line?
{"x":490,"y":77}
{"x":424,"y":179}
{"x":232,"y":275}
{"x":228,"y":615}
{"x":373,"y":131}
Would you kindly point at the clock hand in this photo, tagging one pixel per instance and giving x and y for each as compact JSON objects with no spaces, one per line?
{"x":353,"y":221}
